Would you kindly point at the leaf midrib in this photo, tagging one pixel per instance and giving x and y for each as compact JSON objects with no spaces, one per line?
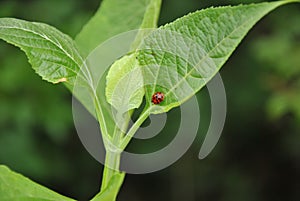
{"x":56,"y":44}
{"x":206,"y":57}
{"x":43,"y":48}
{"x":45,"y":38}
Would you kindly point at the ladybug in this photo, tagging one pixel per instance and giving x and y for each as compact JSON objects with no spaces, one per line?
{"x":157,"y":98}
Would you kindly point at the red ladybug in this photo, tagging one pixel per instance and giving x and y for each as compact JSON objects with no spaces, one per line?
{"x":157,"y":98}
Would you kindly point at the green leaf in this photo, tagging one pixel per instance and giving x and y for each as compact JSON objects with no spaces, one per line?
{"x":151,"y":14}
{"x":115,"y":17}
{"x":124,"y":88}
{"x":110,"y":193}
{"x":179,"y":58}
{"x":112,"y":18}
{"x":52,"y":54}
{"x":15,"y":187}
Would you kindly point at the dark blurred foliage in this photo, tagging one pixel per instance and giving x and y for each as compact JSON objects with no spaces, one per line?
{"x":257,"y":157}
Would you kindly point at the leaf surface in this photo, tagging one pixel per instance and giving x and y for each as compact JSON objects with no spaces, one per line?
{"x":52,"y":54}
{"x":15,"y":187}
{"x":179,"y":58}
{"x":115,"y":17}
{"x":124,"y":89}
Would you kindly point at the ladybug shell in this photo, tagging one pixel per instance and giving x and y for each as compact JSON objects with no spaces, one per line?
{"x":157,"y":98}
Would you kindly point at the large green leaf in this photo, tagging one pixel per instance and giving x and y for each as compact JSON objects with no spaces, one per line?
{"x":52,"y":54}
{"x":15,"y":187}
{"x":115,"y":17}
{"x":179,"y":58}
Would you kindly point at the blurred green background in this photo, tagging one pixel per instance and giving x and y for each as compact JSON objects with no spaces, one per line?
{"x":257,"y":157}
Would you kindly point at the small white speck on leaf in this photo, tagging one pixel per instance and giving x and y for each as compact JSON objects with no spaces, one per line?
{"x":61,"y":80}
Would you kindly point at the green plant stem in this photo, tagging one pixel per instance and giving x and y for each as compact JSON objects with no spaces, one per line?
{"x":125,"y":141}
{"x":112,"y":158}
{"x":112,"y":164}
